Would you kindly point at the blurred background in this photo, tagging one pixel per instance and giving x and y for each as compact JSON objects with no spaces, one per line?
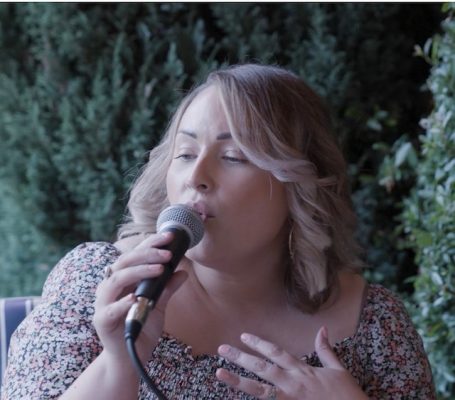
{"x":87,"y":89}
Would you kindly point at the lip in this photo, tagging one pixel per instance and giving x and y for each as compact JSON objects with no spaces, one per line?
{"x":201,"y":208}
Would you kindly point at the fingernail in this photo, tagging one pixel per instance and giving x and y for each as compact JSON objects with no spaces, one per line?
{"x":248,"y":338}
{"x":324,"y":333}
{"x":164,"y":253}
{"x":130,"y":299}
{"x":155,"y":267}
{"x":224,"y":349}
{"x":225,"y":376}
{"x":228,"y":351}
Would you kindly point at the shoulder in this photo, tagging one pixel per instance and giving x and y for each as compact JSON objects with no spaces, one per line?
{"x":391,"y":347}
{"x":128,"y":243}
{"x":57,"y":340}
{"x":381,"y":302}
{"x":83,"y":267}
{"x":384,"y":316}
{"x":87,"y":254}
{"x":92,"y":252}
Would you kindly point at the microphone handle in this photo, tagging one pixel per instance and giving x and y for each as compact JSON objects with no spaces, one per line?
{"x":153,"y":287}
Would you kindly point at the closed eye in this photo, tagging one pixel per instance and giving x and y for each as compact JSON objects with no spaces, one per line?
{"x":234,"y":159}
{"x":185,"y":157}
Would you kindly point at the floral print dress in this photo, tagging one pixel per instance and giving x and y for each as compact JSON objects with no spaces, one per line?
{"x":57,"y":341}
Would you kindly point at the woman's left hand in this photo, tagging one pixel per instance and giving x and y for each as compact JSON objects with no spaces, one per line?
{"x":289,"y":377}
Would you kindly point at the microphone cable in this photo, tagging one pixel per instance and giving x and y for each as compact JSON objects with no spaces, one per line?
{"x":188,"y":229}
{"x":140,"y":368}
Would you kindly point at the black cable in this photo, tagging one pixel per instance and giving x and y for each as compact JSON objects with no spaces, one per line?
{"x":140,"y":368}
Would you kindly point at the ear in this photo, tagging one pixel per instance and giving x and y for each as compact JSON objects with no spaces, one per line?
{"x":325,"y":352}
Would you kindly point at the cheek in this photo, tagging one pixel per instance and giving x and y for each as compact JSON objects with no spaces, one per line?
{"x":276,"y":204}
{"x":272,"y":213}
{"x":171,"y":185}
{"x":265,"y":205}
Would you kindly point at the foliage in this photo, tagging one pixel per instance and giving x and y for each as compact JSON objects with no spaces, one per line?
{"x":87,"y":89}
{"x":79,"y":111}
{"x":428,"y":216}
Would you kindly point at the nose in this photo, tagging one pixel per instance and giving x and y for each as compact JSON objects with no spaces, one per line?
{"x":200,"y":177}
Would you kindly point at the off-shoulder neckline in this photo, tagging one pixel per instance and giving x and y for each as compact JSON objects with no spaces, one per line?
{"x":186,"y":349}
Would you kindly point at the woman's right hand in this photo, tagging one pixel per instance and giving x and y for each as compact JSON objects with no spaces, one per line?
{"x":115,"y":296}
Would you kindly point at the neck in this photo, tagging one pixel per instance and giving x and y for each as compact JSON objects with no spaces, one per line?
{"x":247,"y":286}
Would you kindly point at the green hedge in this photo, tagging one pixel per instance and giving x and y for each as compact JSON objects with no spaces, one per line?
{"x":87,"y":89}
{"x":427,"y":220}
{"x":429,"y":215}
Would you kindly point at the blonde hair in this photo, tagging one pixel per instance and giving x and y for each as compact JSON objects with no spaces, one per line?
{"x":283,"y":127}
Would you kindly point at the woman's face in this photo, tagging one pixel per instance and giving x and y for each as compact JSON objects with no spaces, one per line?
{"x":244,"y":208}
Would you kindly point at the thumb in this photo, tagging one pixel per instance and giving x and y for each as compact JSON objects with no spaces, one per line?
{"x":325,"y":352}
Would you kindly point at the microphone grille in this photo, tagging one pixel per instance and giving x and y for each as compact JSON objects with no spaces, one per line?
{"x":184,"y":217}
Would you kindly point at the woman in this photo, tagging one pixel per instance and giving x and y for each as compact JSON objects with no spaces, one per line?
{"x":269,"y":305}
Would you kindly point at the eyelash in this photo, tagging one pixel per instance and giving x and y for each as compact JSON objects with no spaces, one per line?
{"x":185,"y":157}
{"x":234,"y":159}
{"x":189,"y":157}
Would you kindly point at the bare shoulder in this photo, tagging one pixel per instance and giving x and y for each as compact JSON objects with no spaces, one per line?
{"x":129,"y":243}
{"x":342,"y":314}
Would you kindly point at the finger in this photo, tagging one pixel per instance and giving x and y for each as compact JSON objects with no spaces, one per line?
{"x":325,"y":352}
{"x":156,"y":240}
{"x":110,"y":289}
{"x":270,"y":350}
{"x":144,"y":255}
{"x":110,"y":316}
{"x":262,"y":368}
{"x":249,"y":386}
{"x":147,"y":252}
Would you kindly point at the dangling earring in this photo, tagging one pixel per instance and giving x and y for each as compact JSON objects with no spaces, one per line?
{"x":291,"y":242}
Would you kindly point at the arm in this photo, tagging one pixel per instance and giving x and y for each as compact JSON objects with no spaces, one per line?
{"x":57,"y":340}
{"x":112,"y":374}
{"x":396,"y":366}
{"x":75,"y":339}
{"x":105,"y":378}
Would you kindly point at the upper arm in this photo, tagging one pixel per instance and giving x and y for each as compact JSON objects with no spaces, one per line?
{"x":397,"y":366}
{"x":57,"y":341}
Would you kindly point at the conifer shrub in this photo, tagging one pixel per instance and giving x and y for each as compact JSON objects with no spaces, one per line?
{"x":87,"y":89}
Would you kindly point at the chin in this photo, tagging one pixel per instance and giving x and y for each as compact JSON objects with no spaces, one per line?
{"x":204,"y":255}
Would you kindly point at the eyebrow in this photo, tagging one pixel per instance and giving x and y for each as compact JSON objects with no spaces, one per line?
{"x":220,"y":136}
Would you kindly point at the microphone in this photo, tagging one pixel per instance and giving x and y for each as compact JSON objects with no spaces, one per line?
{"x":187,"y":227}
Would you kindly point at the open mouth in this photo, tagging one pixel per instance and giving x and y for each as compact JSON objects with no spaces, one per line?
{"x":203,"y":216}
{"x":202,"y":210}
